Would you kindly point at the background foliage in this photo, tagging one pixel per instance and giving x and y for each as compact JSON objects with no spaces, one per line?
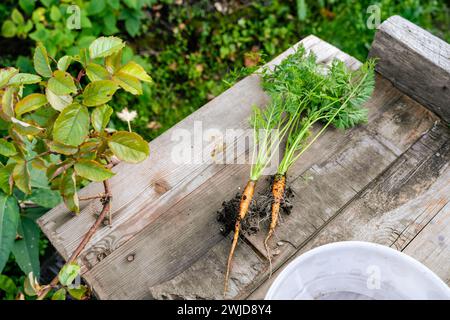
{"x":189,"y":48}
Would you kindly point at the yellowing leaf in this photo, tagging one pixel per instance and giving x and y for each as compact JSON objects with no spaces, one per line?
{"x":7,"y":148}
{"x":58,"y":102}
{"x":61,"y":83}
{"x":128,"y":83}
{"x":78,"y":293}
{"x":64,"y":63}
{"x":72,"y":125}
{"x":29,"y":103}
{"x":8,"y":101}
{"x":113,"y":62}
{"x":129,"y":146}
{"x":6,"y":181}
{"x":92,"y":170}
{"x":62,"y":148}
{"x":21,"y":177}
{"x":68,"y":189}
{"x":6,"y":74}
{"x":99,"y":92}
{"x":68,"y":273}
{"x":24,"y":78}
{"x":96,"y":72}
{"x":105,"y":46}
{"x":25,"y":128}
{"x":100,"y":117}
{"x":41,"y":61}
{"x":135,"y":70}
{"x":59,"y":295}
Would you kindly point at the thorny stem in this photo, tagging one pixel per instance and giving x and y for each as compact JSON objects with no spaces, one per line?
{"x":80,"y":75}
{"x":99,"y":196}
{"x":40,"y":155}
{"x":87,"y":237}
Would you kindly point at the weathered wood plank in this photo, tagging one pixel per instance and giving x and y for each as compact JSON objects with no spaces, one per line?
{"x":397,"y":206}
{"x":416,"y":62}
{"x":321,"y":192}
{"x":431,"y":246}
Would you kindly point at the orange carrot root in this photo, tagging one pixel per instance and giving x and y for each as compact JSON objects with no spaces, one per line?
{"x":278,"y":187}
{"x":246,"y":199}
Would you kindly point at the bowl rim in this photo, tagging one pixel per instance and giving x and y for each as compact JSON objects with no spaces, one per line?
{"x":359,"y":245}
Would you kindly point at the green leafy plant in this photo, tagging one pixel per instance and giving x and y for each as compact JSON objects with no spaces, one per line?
{"x":48,"y":21}
{"x":58,"y":133}
{"x":312,"y":95}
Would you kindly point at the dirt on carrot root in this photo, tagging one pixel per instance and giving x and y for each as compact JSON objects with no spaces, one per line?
{"x":259,"y":212}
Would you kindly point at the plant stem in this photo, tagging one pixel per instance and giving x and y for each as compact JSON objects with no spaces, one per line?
{"x":87,"y":237}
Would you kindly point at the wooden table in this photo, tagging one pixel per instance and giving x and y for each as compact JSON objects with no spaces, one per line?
{"x":386,"y":182}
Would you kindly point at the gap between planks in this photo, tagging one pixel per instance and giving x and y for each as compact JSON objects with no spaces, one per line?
{"x":407,"y":132}
{"x":398,"y":208}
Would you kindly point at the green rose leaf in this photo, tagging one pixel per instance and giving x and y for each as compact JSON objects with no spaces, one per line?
{"x":62,"y":148}
{"x":61,"y":83}
{"x":64,"y":63}
{"x":113,"y":62}
{"x":21,"y":177}
{"x":99,"y":92}
{"x":26,"y":249}
{"x":9,"y":219}
{"x":72,"y":125}
{"x":8,"y":101}
{"x":6,"y":74}
{"x":129,"y":146}
{"x":135,"y":70}
{"x":68,"y":273}
{"x":59,"y":295}
{"x":41,"y":61}
{"x":96,"y":72}
{"x":128,"y":83}
{"x":105,"y":46}
{"x":92,"y":170}
{"x":7,"y":148}
{"x":25,"y":128}
{"x":68,"y":189}
{"x":45,"y":197}
{"x":78,"y":293}
{"x":6,"y":181}
{"x":29,"y":103}
{"x":100,"y":117}
{"x":58,"y":102}
{"x":24,"y":78}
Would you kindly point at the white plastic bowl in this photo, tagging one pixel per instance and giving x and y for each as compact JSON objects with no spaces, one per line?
{"x":356,"y":270}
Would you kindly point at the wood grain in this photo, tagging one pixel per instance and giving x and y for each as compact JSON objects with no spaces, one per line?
{"x":322,"y":190}
{"x":398,"y":207}
{"x":200,"y":230}
{"x":416,"y":61}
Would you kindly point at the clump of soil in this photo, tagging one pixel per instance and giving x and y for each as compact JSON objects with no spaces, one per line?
{"x":259,"y":212}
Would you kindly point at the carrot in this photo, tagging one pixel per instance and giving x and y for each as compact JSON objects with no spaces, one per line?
{"x":246,"y":199}
{"x":278,"y":187}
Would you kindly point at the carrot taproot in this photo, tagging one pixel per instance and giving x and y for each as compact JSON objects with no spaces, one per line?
{"x":244,"y":205}
{"x":278,"y":188}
